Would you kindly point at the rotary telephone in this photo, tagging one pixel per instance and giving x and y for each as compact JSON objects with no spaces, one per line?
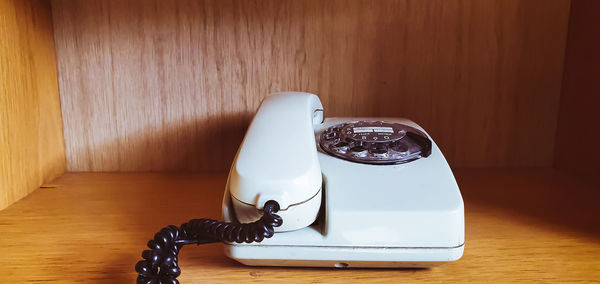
{"x":334,"y":192}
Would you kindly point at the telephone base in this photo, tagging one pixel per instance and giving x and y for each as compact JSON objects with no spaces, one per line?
{"x":397,"y":216}
{"x":341,"y":257}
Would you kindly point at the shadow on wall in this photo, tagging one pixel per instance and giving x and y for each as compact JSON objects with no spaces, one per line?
{"x":207,"y":144}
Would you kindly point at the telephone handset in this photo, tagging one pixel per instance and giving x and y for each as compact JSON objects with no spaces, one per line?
{"x":278,"y":161}
{"x":335,"y":192}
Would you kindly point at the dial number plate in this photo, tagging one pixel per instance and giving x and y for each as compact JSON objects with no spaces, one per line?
{"x":375,"y":142}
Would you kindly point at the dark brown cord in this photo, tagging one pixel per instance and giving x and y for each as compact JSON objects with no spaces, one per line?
{"x":160,"y":261}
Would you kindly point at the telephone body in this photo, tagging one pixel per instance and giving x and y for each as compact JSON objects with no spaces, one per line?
{"x":353,"y":192}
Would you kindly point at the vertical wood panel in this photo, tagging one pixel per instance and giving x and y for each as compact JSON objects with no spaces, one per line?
{"x":31,"y":138}
{"x":578,"y":135}
{"x":171,"y":85}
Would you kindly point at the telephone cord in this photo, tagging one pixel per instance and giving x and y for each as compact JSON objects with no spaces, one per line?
{"x":160,"y":264}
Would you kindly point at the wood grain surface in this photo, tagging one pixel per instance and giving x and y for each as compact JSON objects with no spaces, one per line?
{"x":577,"y":135}
{"x":521,"y":226}
{"x":31,"y":139}
{"x":172,"y":85}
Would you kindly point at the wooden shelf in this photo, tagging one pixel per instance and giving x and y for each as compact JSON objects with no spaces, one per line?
{"x":522,"y":225}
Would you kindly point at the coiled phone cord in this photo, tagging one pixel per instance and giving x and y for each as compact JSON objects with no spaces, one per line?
{"x":160,"y":261}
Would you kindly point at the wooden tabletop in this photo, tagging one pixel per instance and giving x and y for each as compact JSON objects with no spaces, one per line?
{"x":521,"y":225}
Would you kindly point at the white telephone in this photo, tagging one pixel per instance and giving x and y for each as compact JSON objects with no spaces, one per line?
{"x":353,"y":192}
{"x":335,"y":192}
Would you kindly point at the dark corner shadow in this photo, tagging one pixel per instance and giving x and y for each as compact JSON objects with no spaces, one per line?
{"x":548,"y":195}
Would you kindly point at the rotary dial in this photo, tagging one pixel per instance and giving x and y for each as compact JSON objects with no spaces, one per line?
{"x":375,"y":142}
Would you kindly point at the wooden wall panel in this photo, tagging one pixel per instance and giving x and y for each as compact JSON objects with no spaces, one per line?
{"x":171,"y":85}
{"x":578,"y":132}
{"x":31,"y":139}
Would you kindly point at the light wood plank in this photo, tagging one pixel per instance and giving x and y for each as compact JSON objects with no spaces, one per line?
{"x":31,"y":139}
{"x":155,"y":85}
{"x":521,"y":225}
